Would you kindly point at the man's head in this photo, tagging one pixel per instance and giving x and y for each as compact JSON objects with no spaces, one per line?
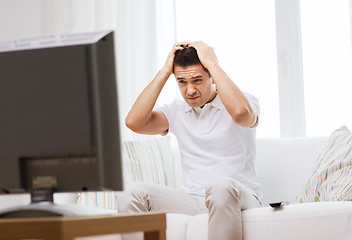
{"x":193,"y":79}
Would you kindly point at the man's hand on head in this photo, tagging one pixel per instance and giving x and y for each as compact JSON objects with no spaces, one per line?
{"x":205,"y":53}
{"x":168,"y":67}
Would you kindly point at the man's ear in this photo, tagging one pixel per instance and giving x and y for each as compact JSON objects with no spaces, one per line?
{"x":212,"y":80}
{"x":214,"y":86}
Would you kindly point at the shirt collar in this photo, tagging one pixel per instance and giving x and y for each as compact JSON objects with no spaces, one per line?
{"x":215,"y":103}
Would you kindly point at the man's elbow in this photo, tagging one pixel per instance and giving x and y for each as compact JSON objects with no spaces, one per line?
{"x":131,"y":124}
{"x":244,"y":117}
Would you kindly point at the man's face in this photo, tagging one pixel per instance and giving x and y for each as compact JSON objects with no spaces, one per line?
{"x":195,"y":85}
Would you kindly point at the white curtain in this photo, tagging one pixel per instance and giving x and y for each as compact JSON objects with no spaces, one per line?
{"x":145,"y":33}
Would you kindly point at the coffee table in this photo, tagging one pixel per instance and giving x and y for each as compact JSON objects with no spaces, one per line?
{"x":153,"y":224}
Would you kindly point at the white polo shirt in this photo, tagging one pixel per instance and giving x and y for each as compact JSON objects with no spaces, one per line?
{"x":211,"y":144}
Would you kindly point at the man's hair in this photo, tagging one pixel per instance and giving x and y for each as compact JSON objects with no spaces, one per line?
{"x":186,"y":57}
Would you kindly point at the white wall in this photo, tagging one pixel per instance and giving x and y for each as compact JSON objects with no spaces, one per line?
{"x":20,"y":18}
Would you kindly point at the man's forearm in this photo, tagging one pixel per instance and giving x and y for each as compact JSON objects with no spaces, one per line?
{"x":141,"y":110}
{"x":232,"y":97}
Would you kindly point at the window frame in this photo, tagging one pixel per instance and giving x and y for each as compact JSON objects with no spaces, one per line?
{"x":290,"y":70}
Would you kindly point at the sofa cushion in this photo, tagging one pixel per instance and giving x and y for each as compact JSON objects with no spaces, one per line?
{"x":307,"y":221}
{"x":331,"y":179}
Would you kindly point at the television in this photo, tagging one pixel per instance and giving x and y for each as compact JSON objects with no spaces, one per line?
{"x":59,"y":123}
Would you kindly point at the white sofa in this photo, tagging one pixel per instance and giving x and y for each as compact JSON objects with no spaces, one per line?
{"x":283,"y":168}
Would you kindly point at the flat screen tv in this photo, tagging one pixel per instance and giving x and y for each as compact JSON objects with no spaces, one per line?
{"x":59,"y":124}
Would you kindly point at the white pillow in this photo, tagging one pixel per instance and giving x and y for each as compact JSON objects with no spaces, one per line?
{"x":332,"y":177}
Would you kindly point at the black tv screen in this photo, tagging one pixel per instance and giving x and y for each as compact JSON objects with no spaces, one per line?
{"x":59,"y":124}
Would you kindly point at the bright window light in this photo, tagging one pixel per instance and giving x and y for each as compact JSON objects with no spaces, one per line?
{"x":327,"y":64}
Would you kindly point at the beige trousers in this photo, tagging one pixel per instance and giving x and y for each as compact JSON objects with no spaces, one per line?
{"x":224,"y":200}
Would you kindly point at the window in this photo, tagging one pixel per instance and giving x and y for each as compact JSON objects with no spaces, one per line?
{"x":242,"y":34}
{"x":327,"y":64}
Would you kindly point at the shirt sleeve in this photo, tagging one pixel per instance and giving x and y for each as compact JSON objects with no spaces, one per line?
{"x":169,"y":111}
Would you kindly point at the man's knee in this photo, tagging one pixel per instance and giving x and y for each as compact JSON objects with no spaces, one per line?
{"x":222,"y":190}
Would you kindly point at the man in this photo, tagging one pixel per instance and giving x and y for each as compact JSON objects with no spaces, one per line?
{"x":215,"y":129}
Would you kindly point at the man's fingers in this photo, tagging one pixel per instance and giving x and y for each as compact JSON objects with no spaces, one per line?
{"x":205,"y":52}
{"x":199,"y":44}
{"x":178,"y":48}
{"x":180,"y":45}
